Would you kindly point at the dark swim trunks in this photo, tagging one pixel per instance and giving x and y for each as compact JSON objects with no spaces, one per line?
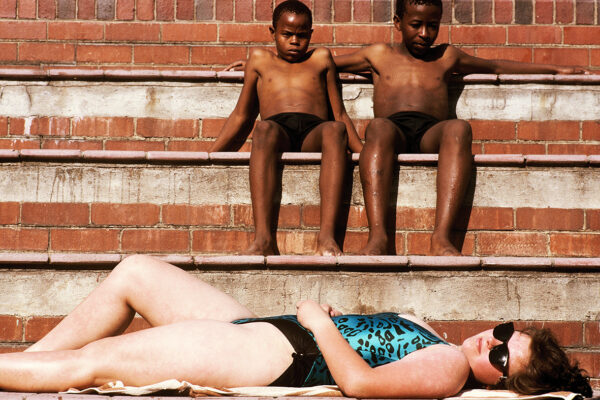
{"x":413,"y":125}
{"x":297,"y":126}
{"x":305,"y":349}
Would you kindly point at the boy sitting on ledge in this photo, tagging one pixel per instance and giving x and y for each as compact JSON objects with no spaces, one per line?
{"x":410,"y":104}
{"x":293,"y":91}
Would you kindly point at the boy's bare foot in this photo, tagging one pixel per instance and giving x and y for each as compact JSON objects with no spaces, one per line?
{"x":261,"y":248}
{"x":375,"y":247}
{"x":328,"y":247}
{"x":441,"y":246}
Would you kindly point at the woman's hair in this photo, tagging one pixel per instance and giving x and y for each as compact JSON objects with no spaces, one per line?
{"x":549,"y":369}
{"x":401,"y":5}
{"x":291,"y":6}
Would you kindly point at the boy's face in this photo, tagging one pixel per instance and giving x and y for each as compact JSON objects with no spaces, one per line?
{"x":419,"y":25}
{"x":292,"y":36}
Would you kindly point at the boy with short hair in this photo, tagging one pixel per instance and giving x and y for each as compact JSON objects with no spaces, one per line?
{"x":410,"y":103}
{"x":294,"y":91}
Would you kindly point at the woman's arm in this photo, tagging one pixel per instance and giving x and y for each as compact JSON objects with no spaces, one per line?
{"x":434,"y":372}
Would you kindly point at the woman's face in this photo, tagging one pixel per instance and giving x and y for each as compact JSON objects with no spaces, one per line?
{"x":477,"y":349}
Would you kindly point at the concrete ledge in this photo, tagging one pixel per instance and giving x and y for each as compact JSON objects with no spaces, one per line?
{"x":508,"y":160}
{"x":300,"y":262}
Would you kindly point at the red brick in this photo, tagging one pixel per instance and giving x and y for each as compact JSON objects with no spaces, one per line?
{"x":165,"y":10}
{"x":212,"y":127}
{"x":216,"y":241}
{"x":360,"y":34}
{"x":104,"y":54}
{"x":263,"y":10}
{"x":495,"y":218}
{"x":493,"y":130}
{"x":105,"y":9}
{"x":564,"y":11}
{"x":145,"y":10}
{"x":590,"y":130}
{"x":544,"y":12}
{"x":103,"y":126}
{"x":139,"y":145}
{"x":155,"y":240}
{"x":204,"y":10}
{"x":40,"y":126}
{"x":9,"y":213}
{"x":357,"y":217}
{"x":189,"y":33}
{"x":37,"y":327}
{"x":567,"y":333}
{"x":151,"y":127}
{"x":503,"y":11}
{"x":592,"y":220}
{"x":55,"y":214}
{"x":85,"y":239}
{"x":86,"y":9}
{"x":343,"y":11}
{"x":520,"y":54}
{"x":484,"y":11}
{"x":66,"y":9}
{"x":311,"y":216}
{"x":75,"y":30}
{"x":3,"y":121}
{"x":534,"y":34}
{"x":322,"y":10}
{"x":585,"y":12}
{"x":354,"y":242}
{"x":189,"y":145}
{"x":524,"y":11}
{"x":203,"y":55}
{"x":548,"y":130}
{"x":183,"y":214}
{"x":549,"y":219}
{"x":512,"y":244}
{"x":8,"y":52}
{"x":126,"y":10}
{"x":297,"y":242}
{"x":224,"y":10}
{"x":161,"y":55}
{"x":132,"y":32}
{"x":586,"y":149}
{"x":417,"y":243}
{"x":49,"y":52}
{"x":24,"y":239}
{"x":18,"y":144}
{"x":288,"y":216}
{"x":244,"y":33}
{"x":478,"y":35}
{"x":573,"y":245}
{"x":11,"y":328}
{"x":243,"y":11}
{"x":46,"y":9}
{"x":12,"y":348}
{"x":591,"y":333}
{"x":71,"y":144}
{"x":415,"y":218}
{"x":8,"y":9}
{"x":322,"y":35}
{"x":362,"y":11}
{"x":27,"y":9}
{"x":125,"y":214}
{"x":589,"y":361}
{"x":588,"y":35}
{"x":22,"y":30}
{"x":514,"y":148}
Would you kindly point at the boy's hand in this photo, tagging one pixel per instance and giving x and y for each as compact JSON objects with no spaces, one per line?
{"x":312,"y":315}
{"x":238,"y":65}
{"x":571,"y":70}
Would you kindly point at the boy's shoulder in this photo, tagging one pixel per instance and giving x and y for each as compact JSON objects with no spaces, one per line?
{"x":259,"y":53}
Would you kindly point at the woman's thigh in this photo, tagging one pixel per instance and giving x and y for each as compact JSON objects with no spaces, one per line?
{"x":209,"y":353}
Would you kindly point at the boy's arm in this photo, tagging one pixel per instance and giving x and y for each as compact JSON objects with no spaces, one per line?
{"x":467,"y":64}
{"x":241,"y":121}
{"x":337,"y":106}
{"x":354,"y":62}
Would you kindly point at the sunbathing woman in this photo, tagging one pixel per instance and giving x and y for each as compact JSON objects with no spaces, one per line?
{"x":192,"y":339}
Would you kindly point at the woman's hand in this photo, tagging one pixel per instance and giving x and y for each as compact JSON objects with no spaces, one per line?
{"x":312,"y":314}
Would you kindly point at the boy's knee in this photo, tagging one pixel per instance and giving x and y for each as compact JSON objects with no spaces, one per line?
{"x":381,"y":131}
{"x":337,"y":131}
{"x":459,"y":131}
{"x":264,"y":134}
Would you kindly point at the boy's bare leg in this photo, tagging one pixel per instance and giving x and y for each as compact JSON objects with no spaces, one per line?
{"x":158,"y":291}
{"x":331,"y":139}
{"x":452,"y":139}
{"x":377,"y":160}
{"x":207,"y":352}
{"x":268,"y":139}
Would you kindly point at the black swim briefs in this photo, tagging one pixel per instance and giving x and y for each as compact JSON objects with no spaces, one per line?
{"x":305,"y":349}
{"x":413,"y":125}
{"x":297,"y":126}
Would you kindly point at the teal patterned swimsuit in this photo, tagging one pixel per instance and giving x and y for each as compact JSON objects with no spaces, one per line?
{"x":379,"y":339}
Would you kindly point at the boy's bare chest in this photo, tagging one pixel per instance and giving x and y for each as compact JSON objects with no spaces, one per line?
{"x":398,"y":72}
{"x":293,"y":77}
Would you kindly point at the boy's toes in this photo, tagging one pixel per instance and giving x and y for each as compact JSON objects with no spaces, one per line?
{"x":442,"y":247}
{"x":328,"y":248}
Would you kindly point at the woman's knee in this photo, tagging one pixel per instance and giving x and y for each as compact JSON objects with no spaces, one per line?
{"x":131,"y":269}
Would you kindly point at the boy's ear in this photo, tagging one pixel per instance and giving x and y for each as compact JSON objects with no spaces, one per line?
{"x":272,"y":30}
{"x":397,"y":21}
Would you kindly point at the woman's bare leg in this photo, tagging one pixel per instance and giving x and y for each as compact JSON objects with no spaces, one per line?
{"x":206,"y":352}
{"x":158,"y":291}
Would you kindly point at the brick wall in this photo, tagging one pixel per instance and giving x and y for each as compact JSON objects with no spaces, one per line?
{"x":213,"y":33}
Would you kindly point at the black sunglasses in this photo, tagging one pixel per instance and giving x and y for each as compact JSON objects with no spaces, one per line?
{"x":499,"y":354}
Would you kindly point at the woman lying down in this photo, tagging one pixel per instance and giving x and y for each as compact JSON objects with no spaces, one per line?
{"x":203,"y":336}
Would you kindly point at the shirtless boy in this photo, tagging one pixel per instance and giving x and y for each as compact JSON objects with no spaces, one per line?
{"x":293,"y":91}
{"x":410,"y":102}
